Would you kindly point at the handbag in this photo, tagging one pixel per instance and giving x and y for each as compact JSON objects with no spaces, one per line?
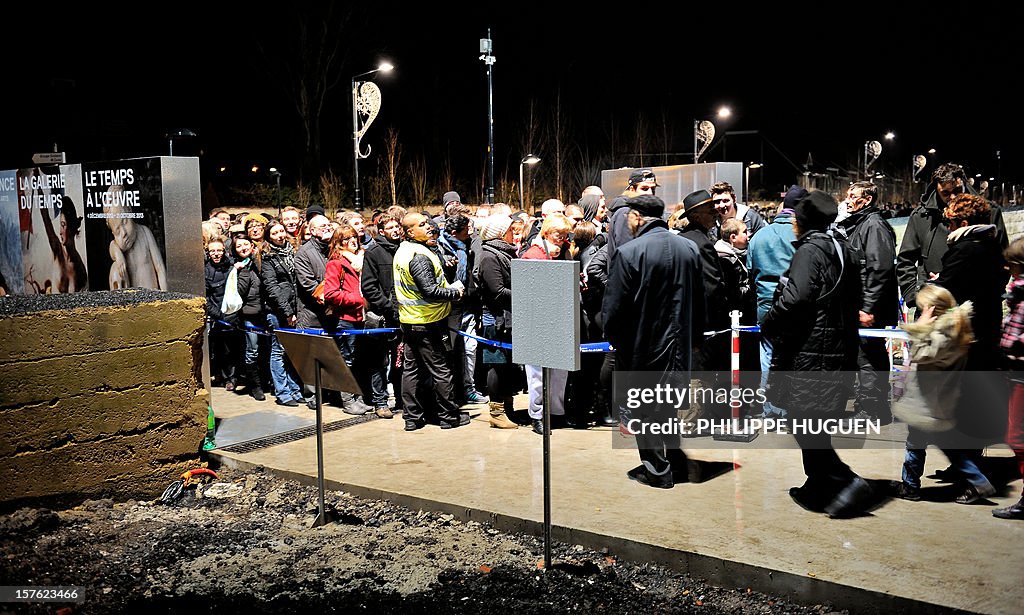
{"x":318,"y":296}
{"x":232,"y":300}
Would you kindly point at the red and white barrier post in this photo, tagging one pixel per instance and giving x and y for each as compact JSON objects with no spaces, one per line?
{"x":738,"y":432}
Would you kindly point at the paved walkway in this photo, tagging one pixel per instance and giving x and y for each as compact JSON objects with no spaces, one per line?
{"x":738,"y":529}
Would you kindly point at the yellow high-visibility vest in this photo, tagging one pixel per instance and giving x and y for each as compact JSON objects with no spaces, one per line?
{"x":413,"y":308}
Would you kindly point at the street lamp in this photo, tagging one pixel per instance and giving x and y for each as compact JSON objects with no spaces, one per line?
{"x":277,"y":175}
{"x":486,"y":47}
{"x":746,"y":189}
{"x":179,"y":133}
{"x":365,"y":102}
{"x":529,"y":159}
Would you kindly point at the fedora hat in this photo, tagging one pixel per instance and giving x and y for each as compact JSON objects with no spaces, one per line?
{"x":695,"y":200}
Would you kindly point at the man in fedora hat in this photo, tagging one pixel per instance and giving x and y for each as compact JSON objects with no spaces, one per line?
{"x":713,"y":355}
{"x":654,"y":305}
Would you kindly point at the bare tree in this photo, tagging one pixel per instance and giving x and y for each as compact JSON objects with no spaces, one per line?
{"x":303,"y":194}
{"x":640,"y":135}
{"x":558,"y":129}
{"x":306,"y":55}
{"x":418,"y":180}
{"x":394,"y":159}
{"x":332,"y":191}
{"x":378,"y":187}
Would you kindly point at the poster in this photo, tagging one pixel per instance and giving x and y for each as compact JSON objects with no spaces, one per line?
{"x":52,"y":241}
{"x":125,"y":224}
{"x":12,"y":281}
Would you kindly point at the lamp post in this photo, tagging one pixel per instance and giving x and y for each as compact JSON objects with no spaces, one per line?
{"x":368,"y":104}
{"x":178,"y":133}
{"x":277,"y":176}
{"x":528,"y":159}
{"x":486,"y":47}
{"x":746,"y":186}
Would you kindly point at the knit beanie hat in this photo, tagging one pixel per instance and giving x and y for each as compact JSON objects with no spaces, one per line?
{"x":495,"y":227}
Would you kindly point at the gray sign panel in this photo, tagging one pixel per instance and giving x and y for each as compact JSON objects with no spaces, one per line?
{"x":546,"y":313}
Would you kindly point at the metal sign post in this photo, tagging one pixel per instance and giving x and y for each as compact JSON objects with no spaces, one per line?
{"x":546,"y":334}
{"x":316,"y":358}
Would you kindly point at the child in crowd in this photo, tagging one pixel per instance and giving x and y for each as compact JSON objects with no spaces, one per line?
{"x":939,"y":341}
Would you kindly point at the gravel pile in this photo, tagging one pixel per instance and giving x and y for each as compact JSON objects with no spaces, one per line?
{"x":243,"y":544}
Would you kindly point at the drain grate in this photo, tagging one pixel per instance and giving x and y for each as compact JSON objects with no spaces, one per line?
{"x":294,"y":435}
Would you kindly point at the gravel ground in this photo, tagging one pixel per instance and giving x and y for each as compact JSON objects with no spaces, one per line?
{"x":243,"y":544}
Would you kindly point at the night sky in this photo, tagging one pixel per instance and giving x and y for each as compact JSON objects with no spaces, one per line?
{"x":110,"y":82}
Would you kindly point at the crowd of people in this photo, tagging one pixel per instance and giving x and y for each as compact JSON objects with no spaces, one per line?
{"x":435,"y":294}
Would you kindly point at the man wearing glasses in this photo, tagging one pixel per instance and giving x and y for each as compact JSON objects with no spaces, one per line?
{"x":871,"y":236}
{"x":724,"y":199}
{"x":924,"y":242}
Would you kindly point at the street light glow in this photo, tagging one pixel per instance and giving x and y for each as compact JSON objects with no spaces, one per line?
{"x":931,"y":151}
{"x":386,"y":67}
{"x":255,"y":168}
{"x":889,"y":136}
{"x":724,"y":112}
{"x":530,"y":159}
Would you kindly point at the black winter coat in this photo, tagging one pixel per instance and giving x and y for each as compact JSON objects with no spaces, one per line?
{"x":250,"y":289}
{"x":216,"y":278}
{"x":924,"y":242}
{"x":278,"y":287}
{"x":378,"y":279}
{"x":973,"y":270}
{"x":654,"y":302}
{"x":873,"y":239}
{"x":813,"y":325}
{"x":715,"y":292}
{"x":495,"y":281}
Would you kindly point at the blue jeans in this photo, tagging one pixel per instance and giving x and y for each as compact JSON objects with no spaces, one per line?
{"x":252,"y":340}
{"x":766,"y":363}
{"x":347,"y":343}
{"x":963,"y":460}
{"x":285,"y":385}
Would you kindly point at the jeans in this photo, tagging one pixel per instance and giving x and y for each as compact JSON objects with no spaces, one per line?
{"x":963,"y":460}
{"x":766,"y":363}
{"x":285,"y":385}
{"x":252,"y":339}
{"x":469,"y":346}
{"x":347,"y":343}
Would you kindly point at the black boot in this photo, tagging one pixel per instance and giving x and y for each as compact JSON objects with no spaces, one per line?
{"x":253,"y":376}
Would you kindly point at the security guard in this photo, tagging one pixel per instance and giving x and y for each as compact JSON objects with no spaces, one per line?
{"x":424,"y":302}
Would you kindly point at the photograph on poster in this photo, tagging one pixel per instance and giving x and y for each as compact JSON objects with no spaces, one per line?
{"x":53,"y":246}
{"x":125,"y":225}
{"x":11,"y":280}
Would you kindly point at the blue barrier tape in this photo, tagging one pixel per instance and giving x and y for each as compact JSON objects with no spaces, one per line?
{"x":269,"y":332}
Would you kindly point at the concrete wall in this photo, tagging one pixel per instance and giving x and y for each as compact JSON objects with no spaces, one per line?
{"x":101,"y":393}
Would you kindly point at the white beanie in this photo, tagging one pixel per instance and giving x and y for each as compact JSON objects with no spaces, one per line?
{"x":495,"y":227}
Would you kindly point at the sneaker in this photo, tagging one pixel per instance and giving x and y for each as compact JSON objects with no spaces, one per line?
{"x":904,"y":491}
{"x":462,"y":421}
{"x":473,"y":397}
{"x":291,"y":403}
{"x":411,"y":425}
{"x":383,"y":412}
{"x":973,"y":494}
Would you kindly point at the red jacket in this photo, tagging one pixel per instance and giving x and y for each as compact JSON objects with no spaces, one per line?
{"x":342,"y":290}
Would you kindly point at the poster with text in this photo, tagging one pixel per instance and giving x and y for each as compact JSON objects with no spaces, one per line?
{"x":52,"y":241}
{"x":12,"y":281}
{"x":124,"y":224}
